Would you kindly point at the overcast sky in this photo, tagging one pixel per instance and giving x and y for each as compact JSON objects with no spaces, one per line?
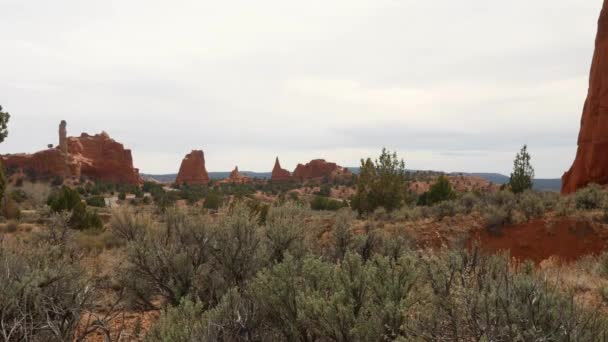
{"x":450,"y":85}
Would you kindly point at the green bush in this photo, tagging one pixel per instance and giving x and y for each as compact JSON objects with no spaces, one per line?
{"x":380,"y":184}
{"x":66,"y":199}
{"x":122,"y":196}
{"x":96,"y":201}
{"x":531,"y":204}
{"x":590,"y":197}
{"x":325,"y":203}
{"x":440,"y":191}
{"x":19,"y":196}
{"x":213,"y":200}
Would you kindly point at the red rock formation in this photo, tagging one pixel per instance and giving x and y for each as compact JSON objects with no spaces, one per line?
{"x":591,"y":163}
{"x":319,"y":169}
{"x":51,"y":162}
{"x":97,"y":157}
{"x":101,"y":157}
{"x":192,"y":171}
{"x":236,"y":178}
{"x":279,"y":174}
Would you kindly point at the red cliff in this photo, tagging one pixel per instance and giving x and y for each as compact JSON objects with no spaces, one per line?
{"x":279,"y":174}
{"x":591,"y":163}
{"x":319,"y":169}
{"x":192,"y":171}
{"x":98,"y":157}
{"x":101,"y":157}
{"x":236,"y":178}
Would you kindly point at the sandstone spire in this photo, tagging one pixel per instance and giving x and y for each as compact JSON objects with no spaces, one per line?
{"x":63,"y":137}
{"x":591,"y":163}
{"x":279,"y":174}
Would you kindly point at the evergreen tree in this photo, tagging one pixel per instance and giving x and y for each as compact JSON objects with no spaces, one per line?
{"x":523,"y":172}
{"x":381,"y":183}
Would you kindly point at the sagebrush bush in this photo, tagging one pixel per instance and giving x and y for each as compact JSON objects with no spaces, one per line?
{"x":496,"y":217}
{"x":531,"y":204}
{"x":590,"y":197}
{"x":43,"y":293}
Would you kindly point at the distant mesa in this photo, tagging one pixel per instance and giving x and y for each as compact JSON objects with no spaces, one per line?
{"x":192,"y":170}
{"x":97,"y":157}
{"x":319,"y":169}
{"x":279,"y":174}
{"x":591,"y":163}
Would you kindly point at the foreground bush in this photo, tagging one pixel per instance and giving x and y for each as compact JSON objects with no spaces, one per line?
{"x":43,"y":293}
{"x":455,"y":296}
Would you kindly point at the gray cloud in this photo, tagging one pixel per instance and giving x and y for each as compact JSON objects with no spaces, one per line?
{"x":450,"y":84}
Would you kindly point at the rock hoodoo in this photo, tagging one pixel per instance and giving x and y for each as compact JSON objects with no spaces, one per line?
{"x":279,"y":174}
{"x":192,"y":171}
{"x":237,"y":178}
{"x":98,"y":157}
{"x":591,"y":163}
{"x":319,"y":169}
{"x":63,"y":137}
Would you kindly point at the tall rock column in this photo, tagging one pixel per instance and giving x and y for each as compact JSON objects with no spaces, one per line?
{"x":591,"y":163}
{"x":63,"y":137}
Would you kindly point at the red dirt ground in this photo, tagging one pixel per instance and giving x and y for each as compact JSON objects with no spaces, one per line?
{"x":565,"y":238}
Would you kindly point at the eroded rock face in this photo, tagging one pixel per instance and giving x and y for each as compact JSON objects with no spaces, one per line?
{"x":279,"y":174}
{"x":591,"y":163}
{"x":192,"y":171}
{"x":101,"y":157}
{"x":98,"y":157}
{"x":319,"y":169}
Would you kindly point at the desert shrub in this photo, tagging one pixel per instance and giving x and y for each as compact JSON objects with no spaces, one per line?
{"x":66,"y":199}
{"x":130,"y":225}
{"x":259,"y":209}
{"x":407,"y":213}
{"x":531,"y":204}
{"x":590,"y":197}
{"x":496,"y":217}
{"x":96,"y":201}
{"x":566,"y":206}
{"x":440,"y":191}
{"x":380,"y":184}
{"x":213,"y":200}
{"x":469,"y":201}
{"x":368,"y":243}
{"x":82,"y":218}
{"x":446,"y":209}
{"x":122,"y":196}
{"x":342,"y":236}
{"x":43,"y":293}
{"x":165,"y":261}
{"x":325,"y":203}
{"x":10,"y":209}
{"x":324,"y":191}
{"x":285,"y":231}
{"x":477,"y":297}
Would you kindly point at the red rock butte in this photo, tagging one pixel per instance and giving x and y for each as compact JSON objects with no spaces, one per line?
{"x":279,"y":174}
{"x":319,"y":169}
{"x":97,"y":157}
{"x":192,"y":170}
{"x":591,"y":163}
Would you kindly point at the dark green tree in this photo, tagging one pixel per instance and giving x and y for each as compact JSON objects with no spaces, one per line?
{"x":381,"y":183}
{"x":4,"y":117}
{"x":439,"y":192}
{"x":523,"y":172}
